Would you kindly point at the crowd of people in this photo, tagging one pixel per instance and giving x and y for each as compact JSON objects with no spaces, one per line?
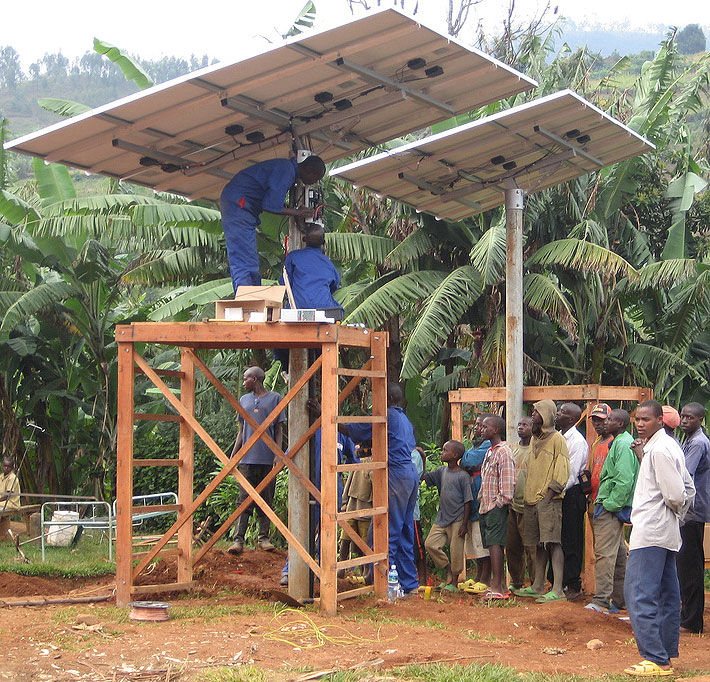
{"x":518,"y":509}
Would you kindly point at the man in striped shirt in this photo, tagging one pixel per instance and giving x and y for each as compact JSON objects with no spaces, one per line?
{"x":497,"y":490}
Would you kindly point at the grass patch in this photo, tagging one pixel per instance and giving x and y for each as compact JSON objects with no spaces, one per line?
{"x":89,"y":559}
{"x":247,"y":673}
{"x":373,"y":614}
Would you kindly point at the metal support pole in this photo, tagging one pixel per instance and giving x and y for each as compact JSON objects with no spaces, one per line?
{"x":514,"y":206}
{"x":298,"y":509}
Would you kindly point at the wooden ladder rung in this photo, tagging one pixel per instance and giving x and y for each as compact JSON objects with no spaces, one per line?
{"x":361,"y":513}
{"x":361,"y":466}
{"x":157,"y":462}
{"x":361,"y":560}
{"x":150,"y":508}
{"x":162,"y":553}
{"x":348,"y":372}
{"x":163,"y":372}
{"x":168,"y":587}
{"x":363,"y":419}
{"x":355,"y":592}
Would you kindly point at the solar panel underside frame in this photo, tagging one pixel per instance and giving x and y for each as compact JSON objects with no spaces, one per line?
{"x":363,"y":63}
{"x":455,"y":174}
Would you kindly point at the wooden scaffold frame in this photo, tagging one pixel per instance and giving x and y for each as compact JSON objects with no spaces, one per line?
{"x":590,"y":394}
{"x":328,"y":339}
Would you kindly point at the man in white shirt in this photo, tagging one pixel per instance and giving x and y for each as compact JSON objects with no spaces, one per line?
{"x":574,"y":503}
{"x":664,"y":492}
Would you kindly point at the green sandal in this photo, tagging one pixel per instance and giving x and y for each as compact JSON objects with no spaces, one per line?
{"x":527,"y":592}
{"x":550,"y":596}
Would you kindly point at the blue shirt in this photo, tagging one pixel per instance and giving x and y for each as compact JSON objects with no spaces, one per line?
{"x":259,"y":408}
{"x":473,"y":457}
{"x":261,"y":187}
{"x":313,"y":278}
{"x":400,"y":437}
{"x":696,"y":449}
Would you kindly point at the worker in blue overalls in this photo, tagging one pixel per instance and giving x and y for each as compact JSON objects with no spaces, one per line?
{"x":312,"y":276}
{"x":403,"y":483}
{"x":261,"y":187}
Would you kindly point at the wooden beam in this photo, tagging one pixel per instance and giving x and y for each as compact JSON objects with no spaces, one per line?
{"x":361,"y":466}
{"x":124,"y":473}
{"x":164,"y":553}
{"x":361,"y":560}
{"x":456,"y":422}
{"x":355,"y":592}
{"x":227,"y":334}
{"x":361,"y":513}
{"x":157,"y":462}
{"x":329,"y":481}
{"x":186,"y":451}
{"x":579,"y":392}
{"x":167,"y":587}
{"x":363,"y":373}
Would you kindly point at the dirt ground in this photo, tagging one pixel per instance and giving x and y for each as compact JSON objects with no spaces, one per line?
{"x":228,"y":620}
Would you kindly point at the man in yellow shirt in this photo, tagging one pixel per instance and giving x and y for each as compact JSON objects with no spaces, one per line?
{"x":9,"y":486}
{"x":547,"y":474}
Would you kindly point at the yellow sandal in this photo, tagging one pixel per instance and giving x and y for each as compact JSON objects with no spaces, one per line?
{"x":648,"y":669}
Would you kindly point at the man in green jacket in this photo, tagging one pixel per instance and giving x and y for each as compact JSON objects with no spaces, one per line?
{"x":612,"y":508}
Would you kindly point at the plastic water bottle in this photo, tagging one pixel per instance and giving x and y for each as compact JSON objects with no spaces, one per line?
{"x":393,"y":588}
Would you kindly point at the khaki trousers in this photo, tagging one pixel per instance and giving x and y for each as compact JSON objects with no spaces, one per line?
{"x":440,"y":536}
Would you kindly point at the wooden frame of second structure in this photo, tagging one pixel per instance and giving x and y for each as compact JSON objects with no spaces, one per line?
{"x":214,"y":334}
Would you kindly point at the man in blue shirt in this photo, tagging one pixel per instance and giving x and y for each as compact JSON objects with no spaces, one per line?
{"x":261,"y":187}
{"x":259,"y":460}
{"x":690,"y":560}
{"x":312,"y":275}
{"x":403,"y":484}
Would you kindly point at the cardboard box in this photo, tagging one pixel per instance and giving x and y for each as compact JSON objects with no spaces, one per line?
{"x":252,"y":304}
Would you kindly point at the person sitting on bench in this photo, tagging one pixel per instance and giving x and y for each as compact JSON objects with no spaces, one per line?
{"x":9,"y":486}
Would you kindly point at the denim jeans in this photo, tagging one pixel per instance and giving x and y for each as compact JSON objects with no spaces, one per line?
{"x":653,"y":600}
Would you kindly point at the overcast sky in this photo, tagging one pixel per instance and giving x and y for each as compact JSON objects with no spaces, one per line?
{"x":222,"y":29}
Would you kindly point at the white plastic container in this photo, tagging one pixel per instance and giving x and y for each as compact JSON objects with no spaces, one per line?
{"x":59,"y":535}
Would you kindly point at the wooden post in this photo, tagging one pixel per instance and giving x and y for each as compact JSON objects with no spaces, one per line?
{"x":457,"y":421}
{"x":186,"y":470}
{"x":124,"y":474}
{"x":328,"y":480}
{"x":380,"y":523}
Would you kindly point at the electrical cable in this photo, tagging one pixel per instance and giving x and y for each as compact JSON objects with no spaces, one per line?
{"x":311,"y":636}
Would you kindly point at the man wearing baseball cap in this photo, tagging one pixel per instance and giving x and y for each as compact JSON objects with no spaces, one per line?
{"x":600,"y":447}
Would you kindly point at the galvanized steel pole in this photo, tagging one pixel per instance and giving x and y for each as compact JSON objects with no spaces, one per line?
{"x":298,"y":508}
{"x":514,"y":206}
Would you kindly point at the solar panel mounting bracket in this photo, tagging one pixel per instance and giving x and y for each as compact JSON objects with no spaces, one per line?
{"x":378,"y":79}
{"x":566,"y":143}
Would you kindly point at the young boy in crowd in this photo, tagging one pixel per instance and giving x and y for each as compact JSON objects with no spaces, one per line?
{"x":495,"y":496}
{"x":451,"y":522}
{"x":520,"y":559}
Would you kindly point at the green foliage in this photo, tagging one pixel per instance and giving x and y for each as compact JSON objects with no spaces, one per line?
{"x":129,"y":67}
{"x":62,"y":107}
{"x":691,"y":39}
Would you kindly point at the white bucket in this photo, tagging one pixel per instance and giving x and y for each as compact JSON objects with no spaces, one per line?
{"x":58,"y":535}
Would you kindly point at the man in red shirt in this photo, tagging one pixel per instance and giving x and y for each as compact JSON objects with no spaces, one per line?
{"x":600,"y":447}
